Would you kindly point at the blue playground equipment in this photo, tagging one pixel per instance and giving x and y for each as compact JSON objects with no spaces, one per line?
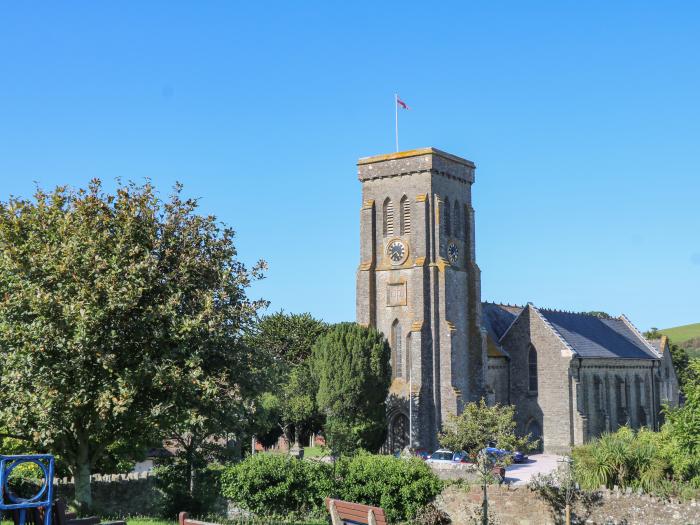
{"x":42,"y":499}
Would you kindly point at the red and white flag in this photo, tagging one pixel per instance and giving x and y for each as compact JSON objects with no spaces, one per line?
{"x":401,"y":103}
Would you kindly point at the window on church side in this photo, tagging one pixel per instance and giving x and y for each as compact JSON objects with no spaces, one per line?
{"x":532,"y":367}
{"x":397,"y":343}
{"x":447,"y":217}
{"x":405,"y":215}
{"x":466,"y":230}
{"x":622,"y":393}
{"x":388,"y":218}
{"x":458,"y":221}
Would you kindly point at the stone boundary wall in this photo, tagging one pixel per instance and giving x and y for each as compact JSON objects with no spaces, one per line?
{"x":522,"y":506}
{"x":130,"y":494}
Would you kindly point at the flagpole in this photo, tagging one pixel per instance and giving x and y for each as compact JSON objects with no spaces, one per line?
{"x":396,"y":110}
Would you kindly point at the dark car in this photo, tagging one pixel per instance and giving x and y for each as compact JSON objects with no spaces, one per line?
{"x":499,"y":454}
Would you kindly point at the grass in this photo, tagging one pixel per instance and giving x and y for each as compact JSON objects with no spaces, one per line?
{"x":680,"y":335}
{"x":315,"y":452}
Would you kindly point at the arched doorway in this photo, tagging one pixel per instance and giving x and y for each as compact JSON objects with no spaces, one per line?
{"x":535,"y":430}
{"x":398,"y":433}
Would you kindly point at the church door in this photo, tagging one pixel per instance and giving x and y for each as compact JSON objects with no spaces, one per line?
{"x":398,"y":433}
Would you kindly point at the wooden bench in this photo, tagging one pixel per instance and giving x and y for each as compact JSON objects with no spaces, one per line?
{"x":345,"y":512}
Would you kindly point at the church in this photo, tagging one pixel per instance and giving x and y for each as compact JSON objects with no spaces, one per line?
{"x":571,"y":376}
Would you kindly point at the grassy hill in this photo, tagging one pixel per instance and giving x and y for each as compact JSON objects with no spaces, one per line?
{"x":687,"y":336}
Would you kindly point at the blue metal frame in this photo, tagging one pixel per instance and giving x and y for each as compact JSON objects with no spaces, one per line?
{"x":44,"y":498}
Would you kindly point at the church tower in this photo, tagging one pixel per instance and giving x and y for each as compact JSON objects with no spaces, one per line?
{"x":419,"y":284}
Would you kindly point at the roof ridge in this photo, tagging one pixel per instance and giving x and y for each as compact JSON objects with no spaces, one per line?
{"x":554,"y":330}
{"x":639,"y":335}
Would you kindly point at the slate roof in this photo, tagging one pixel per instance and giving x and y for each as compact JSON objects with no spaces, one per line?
{"x":592,"y":336}
{"x":588,"y":335}
{"x":497,"y":318}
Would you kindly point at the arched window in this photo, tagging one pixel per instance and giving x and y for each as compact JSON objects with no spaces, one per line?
{"x":466,"y":223}
{"x":388,"y":217}
{"x":458,"y":221}
{"x":447,"y":214}
{"x":532,"y":368}
{"x":405,"y":215}
{"x":397,"y":349}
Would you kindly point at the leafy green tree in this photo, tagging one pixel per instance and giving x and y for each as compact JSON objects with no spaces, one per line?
{"x":290,"y":405}
{"x":653,"y":333}
{"x":480,"y":424}
{"x":351,"y":365}
{"x":683,"y":426}
{"x":681,"y":364}
{"x":288,"y":338}
{"x":120,"y":322}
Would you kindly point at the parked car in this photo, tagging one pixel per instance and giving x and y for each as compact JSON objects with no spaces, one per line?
{"x":447,"y":456}
{"x":499,"y":454}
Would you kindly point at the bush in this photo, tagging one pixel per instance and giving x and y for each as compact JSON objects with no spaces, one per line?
{"x":171,"y":480}
{"x":278,"y":485}
{"x":644,"y":459}
{"x":400,"y":486}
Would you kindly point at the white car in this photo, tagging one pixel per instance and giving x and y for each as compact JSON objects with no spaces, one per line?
{"x":441,"y":456}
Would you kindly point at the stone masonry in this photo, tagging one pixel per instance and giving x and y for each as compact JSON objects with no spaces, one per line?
{"x":418,"y":283}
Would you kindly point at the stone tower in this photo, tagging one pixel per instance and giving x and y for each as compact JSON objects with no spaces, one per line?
{"x":419,"y":284}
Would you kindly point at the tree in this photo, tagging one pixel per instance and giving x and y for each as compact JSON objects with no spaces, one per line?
{"x":287,"y":339}
{"x":480,"y":424}
{"x":351,"y":365}
{"x":653,"y":333}
{"x":120,"y":322}
{"x":687,"y":375}
{"x":683,"y":425}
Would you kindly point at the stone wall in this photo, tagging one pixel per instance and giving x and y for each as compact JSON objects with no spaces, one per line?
{"x":119,"y":494}
{"x":521,"y":506}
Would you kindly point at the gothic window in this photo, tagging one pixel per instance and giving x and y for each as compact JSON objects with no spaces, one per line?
{"x":447,"y":217}
{"x":599,"y":394}
{"x":532,"y":368}
{"x":458,"y":221}
{"x":467,"y":231}
{"x":397,"y":346}
{"x":622,"y":393}
{"x":405,"y":215}
{"x":388,"y":219}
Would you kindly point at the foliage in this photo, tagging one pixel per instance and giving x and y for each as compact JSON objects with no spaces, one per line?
{"x":351,"y":366}
{"x":400,"y":486}
{"x":290,"y":405}
{"x":172,"y":482}
{"x":683,"y":427}
{"x":288,"y":338}
{"x":121,"y":321}
{"x":480,"y":424}
{"x":279,"y":485}
{"x":681,"y":364}
{"x":653,"y":461}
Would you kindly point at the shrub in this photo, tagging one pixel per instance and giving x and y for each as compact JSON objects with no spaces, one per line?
{"x":171,"y":480}
{"x":481,"y":424}
{"x":400,"y":486}
{"x":278,"y":485}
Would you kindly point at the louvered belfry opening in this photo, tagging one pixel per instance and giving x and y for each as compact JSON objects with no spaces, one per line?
{"x":388,"y":217}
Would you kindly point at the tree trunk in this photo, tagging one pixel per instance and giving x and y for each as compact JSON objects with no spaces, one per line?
{"x":83,"y":490}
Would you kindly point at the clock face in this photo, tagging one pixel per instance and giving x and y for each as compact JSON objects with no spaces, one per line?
{"x":397,"y":251}
{"x":453,"y":252}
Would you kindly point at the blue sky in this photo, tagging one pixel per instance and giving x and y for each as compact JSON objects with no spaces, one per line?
{"x":582,"y":117}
